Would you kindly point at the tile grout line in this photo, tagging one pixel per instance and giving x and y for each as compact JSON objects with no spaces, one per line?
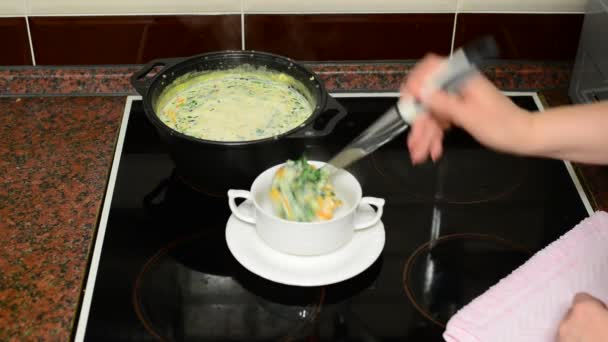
{"x":454,"y":32}
{"x":29,"y":37}
{"x":194,"y":13}
{"x":133,"y":14}
{"x":26,"y":4}
{"x":242,"y":27}
{"x":520,"y":12}
{"x":457,"y":10}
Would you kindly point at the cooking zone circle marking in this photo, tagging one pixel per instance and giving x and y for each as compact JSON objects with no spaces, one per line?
{"x":455,"y":178}
{"x":198,"y":188}
{"x":443,"y":275}
{"x":161,"y":299}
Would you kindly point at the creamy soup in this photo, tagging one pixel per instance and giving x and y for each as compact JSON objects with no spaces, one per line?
{"x":239,"y":104}
{"x":301,"y":192}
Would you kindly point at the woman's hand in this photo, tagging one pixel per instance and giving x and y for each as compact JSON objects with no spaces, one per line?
{"x":479,"y":108}
{"x":586,"y":321}
{"x":576,"y":133}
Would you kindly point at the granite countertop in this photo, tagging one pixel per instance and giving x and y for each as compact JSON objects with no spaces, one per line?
{"x":59,"y":127}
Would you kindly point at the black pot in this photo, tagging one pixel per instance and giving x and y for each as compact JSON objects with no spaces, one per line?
{"x":216,"y":165}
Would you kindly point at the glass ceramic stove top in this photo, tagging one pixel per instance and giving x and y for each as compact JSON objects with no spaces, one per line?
{"x":161,"y":269}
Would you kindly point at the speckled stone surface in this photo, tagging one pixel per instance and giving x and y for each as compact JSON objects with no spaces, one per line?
{"x":337,"y":77}
{"x":383,"y":77}
{"x":55,"y":157}
{"x":595,"y":182}
{"x":35,"y":81}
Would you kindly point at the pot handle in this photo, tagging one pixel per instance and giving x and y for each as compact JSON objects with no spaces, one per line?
{"x":379,"y":204}
{"x":141,"y":83}
{"x":310,"y":131}
{"x":237,"y":211}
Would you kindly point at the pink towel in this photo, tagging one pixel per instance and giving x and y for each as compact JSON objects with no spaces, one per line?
{"x":529,"y":304}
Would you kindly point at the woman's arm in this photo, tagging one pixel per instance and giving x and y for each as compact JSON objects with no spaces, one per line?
{"x":576,"y":133}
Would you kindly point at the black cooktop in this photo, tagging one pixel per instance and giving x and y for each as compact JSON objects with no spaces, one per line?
{"x":453,"y":228}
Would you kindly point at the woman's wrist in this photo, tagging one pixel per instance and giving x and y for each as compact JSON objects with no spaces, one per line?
{"x":525,"y":140}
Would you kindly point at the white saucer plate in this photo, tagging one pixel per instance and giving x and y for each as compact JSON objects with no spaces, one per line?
{"x":348,"y":261}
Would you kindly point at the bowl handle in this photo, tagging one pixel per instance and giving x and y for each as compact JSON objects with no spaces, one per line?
{"x":234,"y":194}
{"x":379,"y":204}
{"x":141,"y":83}
{"x":311,"y":132}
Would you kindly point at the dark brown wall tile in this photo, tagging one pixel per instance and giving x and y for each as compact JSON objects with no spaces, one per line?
{"x":524,"y":36}
{"x":15,"y":43}
{"x":130,"y":39}
{"x":350,"y":36}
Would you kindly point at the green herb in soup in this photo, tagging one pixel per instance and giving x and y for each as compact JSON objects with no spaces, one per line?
{"x":301,"y":192}
{"x":238,"y":104}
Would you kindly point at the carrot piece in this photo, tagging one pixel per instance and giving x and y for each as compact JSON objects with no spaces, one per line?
{"x":275,"y":195}
{"x":324,"y":215}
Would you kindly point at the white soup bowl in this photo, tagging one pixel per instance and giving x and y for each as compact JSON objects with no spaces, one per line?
{"x":306,"y":238}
